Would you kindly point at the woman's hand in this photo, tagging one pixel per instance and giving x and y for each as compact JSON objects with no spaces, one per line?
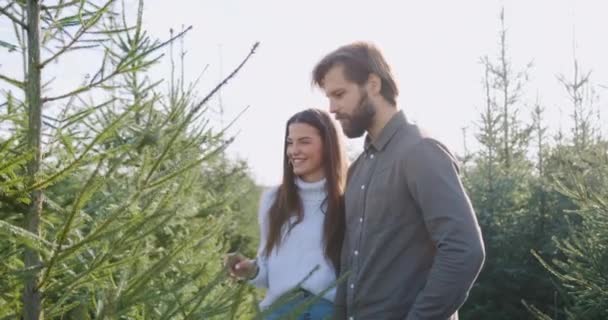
{"x":240,"y":266}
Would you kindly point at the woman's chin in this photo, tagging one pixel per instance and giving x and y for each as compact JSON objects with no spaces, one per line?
{"x":301,"y":172}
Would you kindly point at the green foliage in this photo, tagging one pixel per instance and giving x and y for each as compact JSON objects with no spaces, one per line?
{"x":544,"y":208}
{"x":582,"y":266}
{"x":139,"y":196}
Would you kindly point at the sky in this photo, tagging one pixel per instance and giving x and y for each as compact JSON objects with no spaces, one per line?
{"x":434,"y":48}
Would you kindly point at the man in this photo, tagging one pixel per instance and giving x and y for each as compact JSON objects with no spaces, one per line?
{"x":412,"y":247}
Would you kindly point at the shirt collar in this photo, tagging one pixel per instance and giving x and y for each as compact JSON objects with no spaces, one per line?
{"x":389,"y":130}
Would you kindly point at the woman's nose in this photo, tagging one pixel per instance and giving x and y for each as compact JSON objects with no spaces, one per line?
{"x":292,"y":151}
{"x":295,"y":151}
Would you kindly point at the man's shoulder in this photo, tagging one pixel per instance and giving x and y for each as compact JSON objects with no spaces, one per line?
{"x":410,"y":136}
{"x":415,"y":141}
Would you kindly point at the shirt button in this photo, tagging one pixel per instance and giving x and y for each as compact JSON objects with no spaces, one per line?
{"x":352,"y":285}
{"x":351,"y":318}
{"x":356,"y":252}
{"x":371,"y":156}
{"x":361,"y":220}
{"x":362,"y":187}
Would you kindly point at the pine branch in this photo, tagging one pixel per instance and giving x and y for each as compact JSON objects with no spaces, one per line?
{"x":230,"y":76}
{"x":90,"y":186}
{"x":17,"y":83}
{"x":87,"y":25}
{"x":164,"y":179}
{"x":60,"y":6}
{"x":194,"y":110}
{"x":119,"y":69}
{"x":99,"y":138}
{"x":13,"y":203}
{"x":5,"y":12}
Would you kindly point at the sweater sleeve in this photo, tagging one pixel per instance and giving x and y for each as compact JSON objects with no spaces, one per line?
{"x":261,"y":279}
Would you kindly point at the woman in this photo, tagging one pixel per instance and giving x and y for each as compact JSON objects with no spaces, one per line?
{"x":301,"y":221}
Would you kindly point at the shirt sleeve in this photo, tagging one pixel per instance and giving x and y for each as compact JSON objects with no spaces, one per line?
{"x":432,"y":178}
{"x":261,"y":279}
{"x":340,"y":299}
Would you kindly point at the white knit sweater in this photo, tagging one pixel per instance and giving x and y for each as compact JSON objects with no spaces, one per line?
{"x":301,"y":250}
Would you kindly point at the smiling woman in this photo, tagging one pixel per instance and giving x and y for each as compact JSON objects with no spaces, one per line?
{"x":301,"y":221}
{"x":304,"y":151}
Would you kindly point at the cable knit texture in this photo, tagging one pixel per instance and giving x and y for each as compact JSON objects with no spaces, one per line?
{"x":300,"y":258}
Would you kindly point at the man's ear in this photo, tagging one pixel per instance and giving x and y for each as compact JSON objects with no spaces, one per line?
{"x":373,"y":84}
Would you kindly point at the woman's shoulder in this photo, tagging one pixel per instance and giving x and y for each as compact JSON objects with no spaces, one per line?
{"x":269,"y":194}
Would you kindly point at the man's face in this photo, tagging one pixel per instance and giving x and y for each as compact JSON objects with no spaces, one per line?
{"x":348,"y":102}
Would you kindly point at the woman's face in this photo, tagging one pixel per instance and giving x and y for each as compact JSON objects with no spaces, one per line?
{"x":305,"y":151}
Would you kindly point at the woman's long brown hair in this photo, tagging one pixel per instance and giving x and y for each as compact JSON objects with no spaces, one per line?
{"x":288,"y":202}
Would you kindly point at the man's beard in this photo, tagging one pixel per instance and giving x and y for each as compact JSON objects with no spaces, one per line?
{"x":354,"y":126}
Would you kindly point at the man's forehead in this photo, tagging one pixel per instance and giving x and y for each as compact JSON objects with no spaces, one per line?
{"x":334,"y":80}
{"x":334,"y":73}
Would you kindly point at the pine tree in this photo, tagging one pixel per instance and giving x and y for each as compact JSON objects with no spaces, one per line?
{"x":107,"y":209}
{"x":581,"y":268}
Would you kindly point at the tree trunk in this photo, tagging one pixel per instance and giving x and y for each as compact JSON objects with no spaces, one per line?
{"x":31,"y":294}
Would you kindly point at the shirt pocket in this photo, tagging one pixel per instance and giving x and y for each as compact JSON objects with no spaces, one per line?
{"x":380,"y":197}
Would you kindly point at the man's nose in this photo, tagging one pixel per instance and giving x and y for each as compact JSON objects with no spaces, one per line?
{"x":333,"y":107}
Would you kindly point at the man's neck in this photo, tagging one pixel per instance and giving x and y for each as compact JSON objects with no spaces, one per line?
{"x":384,"y":113}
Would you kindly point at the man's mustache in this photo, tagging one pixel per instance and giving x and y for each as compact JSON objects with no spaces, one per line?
{"x":339,"y":117}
